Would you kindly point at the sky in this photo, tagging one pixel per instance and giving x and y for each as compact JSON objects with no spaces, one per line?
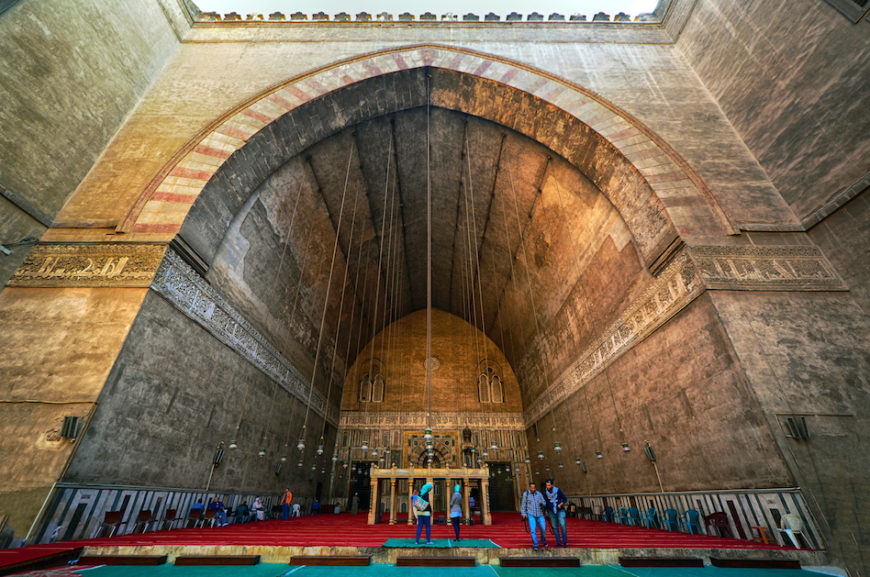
{"x":417,"y":7}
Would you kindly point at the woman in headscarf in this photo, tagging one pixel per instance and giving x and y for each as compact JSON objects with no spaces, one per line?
{"x":423,"y":507}
{"x":259,"y":510}
{"x":456,"y":510}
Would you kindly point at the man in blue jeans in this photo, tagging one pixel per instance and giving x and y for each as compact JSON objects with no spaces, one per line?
{"x":556,"y":503}
{"x":423,"y":507}
{"x":532,"y":508}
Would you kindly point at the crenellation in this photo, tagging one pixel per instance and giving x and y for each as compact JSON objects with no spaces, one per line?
{"x":446,"y":18}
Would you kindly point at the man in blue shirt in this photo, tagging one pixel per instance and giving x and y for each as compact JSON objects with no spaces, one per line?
{"x":556,"y":504}
{"x":532,"y":508}
{"x":220,"y":512}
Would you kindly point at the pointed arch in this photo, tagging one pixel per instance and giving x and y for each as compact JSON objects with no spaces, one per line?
{"x":656,"y":192}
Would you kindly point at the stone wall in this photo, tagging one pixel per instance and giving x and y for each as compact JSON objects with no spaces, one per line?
{"x":792,"y":79}
{"x":175,"y":393}
{"x":682,"y":390}
{"x":844,"y":237}
{"x":68,"y":80}
{"x":805,"y":355}
{"x":58,"y":345}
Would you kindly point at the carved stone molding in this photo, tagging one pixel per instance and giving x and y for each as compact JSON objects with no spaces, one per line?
{"x":675,"y":287}
{"x":192,"y":295}
{"x":116,"y":264}
{"x":447,"y":420}
{"x":767,"y":268}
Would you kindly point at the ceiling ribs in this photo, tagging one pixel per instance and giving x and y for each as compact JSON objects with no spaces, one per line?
{"x":401,"y":209}
{"x":528,"y":217}
{"x":456,"y":219}
{"x":377,"y":239}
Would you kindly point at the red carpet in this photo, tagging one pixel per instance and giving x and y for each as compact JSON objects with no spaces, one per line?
{"x":346,"y":529}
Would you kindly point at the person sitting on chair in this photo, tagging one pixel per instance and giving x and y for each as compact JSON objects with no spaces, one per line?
{"x":242,"y":513}
{"x":259,"y":510}
{"x":220,"y":511}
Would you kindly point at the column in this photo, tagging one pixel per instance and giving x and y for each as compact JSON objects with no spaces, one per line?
{"x":484,"y":501}
{"x":392,"y":500}
{"x":410,"y":504}
{"x":374,"y":502}
{"x":466,"y":503}
{"x":431,"y":497}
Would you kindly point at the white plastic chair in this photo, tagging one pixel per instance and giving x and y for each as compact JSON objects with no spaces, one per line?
{"x":792,"y":525}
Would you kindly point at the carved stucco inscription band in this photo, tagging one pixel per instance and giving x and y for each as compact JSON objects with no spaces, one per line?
{"x":693,"y":270}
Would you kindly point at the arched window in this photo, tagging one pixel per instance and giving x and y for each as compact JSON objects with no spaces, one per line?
{"x":497,"y":391}
{"x":490,"y":387}
{"x":378,"y":389}
{"x":373,"y":385}
{"x":483,"y":388}
{"x":365,"y":389}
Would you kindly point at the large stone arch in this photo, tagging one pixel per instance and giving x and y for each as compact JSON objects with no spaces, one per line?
{"x":658,"y":195}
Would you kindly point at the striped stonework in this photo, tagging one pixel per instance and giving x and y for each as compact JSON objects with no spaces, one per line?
{"x":164,"y":204}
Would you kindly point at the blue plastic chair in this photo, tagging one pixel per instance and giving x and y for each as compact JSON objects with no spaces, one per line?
{"x":671,"y":520}
{"x":633,"y":517}
{"x":622,"y":517}
{"x":691,"y":520}
{"x":607,"y":515}
{"x":649,"y":520}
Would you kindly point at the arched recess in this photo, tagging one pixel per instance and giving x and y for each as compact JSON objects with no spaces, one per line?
{"x":655,"y":191}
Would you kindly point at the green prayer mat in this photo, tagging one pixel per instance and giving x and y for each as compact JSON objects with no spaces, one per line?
{"x":442,"y":543}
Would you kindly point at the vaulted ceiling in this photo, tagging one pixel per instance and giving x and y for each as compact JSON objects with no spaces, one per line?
{"x":514,"y":227}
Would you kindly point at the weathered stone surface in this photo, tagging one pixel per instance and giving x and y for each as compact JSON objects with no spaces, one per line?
{"x":58,"y":348}
{"x":808,"y":354}
{"x":174,"y":393}
{"x":93,"y":61}
{"x":844,"y":238}
{"x":190,"y":294}
{"x":790,"y":91}
{"x":681,"y":389}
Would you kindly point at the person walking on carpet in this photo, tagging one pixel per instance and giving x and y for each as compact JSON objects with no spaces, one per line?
{"x":456,"y":510}
{"x":556,"y":503}
{"x":532,"y":508}
{"x":424,"y":513}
